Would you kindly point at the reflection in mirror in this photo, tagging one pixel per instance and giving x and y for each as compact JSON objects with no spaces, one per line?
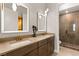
{"x":15,"y":20}
{"x":0,"y":17}
{"x":20,"y":23}
{"x":42,"y":20}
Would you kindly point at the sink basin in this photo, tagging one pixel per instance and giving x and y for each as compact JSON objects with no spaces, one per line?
{"x":21,"y":43}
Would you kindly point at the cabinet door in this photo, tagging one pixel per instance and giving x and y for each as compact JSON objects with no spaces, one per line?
{"x":43,"y":50}
{"x":50,"y":46}
{"x":33,"y":53}
{"x":22,"y":51}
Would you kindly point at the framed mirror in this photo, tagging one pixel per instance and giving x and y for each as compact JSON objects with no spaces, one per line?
{"x":42,"y":22}
{"x":14,"y":18}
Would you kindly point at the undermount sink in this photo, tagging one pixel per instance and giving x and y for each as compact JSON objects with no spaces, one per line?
{"x":21,"y":43}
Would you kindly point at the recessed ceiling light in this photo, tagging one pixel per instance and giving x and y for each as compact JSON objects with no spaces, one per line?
{"x":67,"y":11}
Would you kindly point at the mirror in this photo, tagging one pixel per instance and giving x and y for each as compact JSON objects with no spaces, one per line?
{"x":42,"y":21}
{"x":14,"y":18}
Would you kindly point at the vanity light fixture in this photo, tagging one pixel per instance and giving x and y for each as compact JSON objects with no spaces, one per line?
{"x":46,"y":11}
{"x":14,"y":6}
{"x":40,"y":14}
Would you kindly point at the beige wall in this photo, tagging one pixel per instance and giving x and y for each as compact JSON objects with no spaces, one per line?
{"x":53,"y":23}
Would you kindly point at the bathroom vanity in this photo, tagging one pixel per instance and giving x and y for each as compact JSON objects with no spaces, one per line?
{"x":42,"y":45}
{"x":17,"y":22}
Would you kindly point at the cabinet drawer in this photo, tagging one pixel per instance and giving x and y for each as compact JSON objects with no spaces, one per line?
{"x":42,"y":42}
{"x":33,"y":53}
{"x":22,"y":51}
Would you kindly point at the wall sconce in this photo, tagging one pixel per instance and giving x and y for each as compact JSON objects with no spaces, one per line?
{"x":14,"y":7}
{"x":40,"y":14}
{"x":46,"y":11}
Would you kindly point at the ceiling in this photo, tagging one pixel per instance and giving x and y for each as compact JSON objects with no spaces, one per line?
{"x":71,"y":9}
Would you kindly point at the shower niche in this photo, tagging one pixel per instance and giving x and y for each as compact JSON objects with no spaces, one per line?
{"x":14,"y":18}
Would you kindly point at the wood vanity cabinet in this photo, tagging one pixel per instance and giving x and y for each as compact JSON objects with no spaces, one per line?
{"x":32,"y":53}
{"x":22,"y":51}
{"x":43,"y":50}
{"x":50,"y":45}
{"x":44,"y":47}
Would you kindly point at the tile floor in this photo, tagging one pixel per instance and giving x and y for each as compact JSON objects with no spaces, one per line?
{"x":67,"y":52}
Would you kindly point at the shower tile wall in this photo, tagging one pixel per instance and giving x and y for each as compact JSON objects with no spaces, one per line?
{"x":67,"y":34}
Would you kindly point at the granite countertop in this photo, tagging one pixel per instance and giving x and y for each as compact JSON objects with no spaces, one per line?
{"x":8,"y":46}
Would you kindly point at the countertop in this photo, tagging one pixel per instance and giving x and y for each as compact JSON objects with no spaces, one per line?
{"x":8,"y":46}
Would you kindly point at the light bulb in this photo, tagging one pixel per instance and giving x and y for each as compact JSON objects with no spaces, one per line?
{"x":14,"y":7}
{"x":46,"y":11}
{"x":39,"y":14}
